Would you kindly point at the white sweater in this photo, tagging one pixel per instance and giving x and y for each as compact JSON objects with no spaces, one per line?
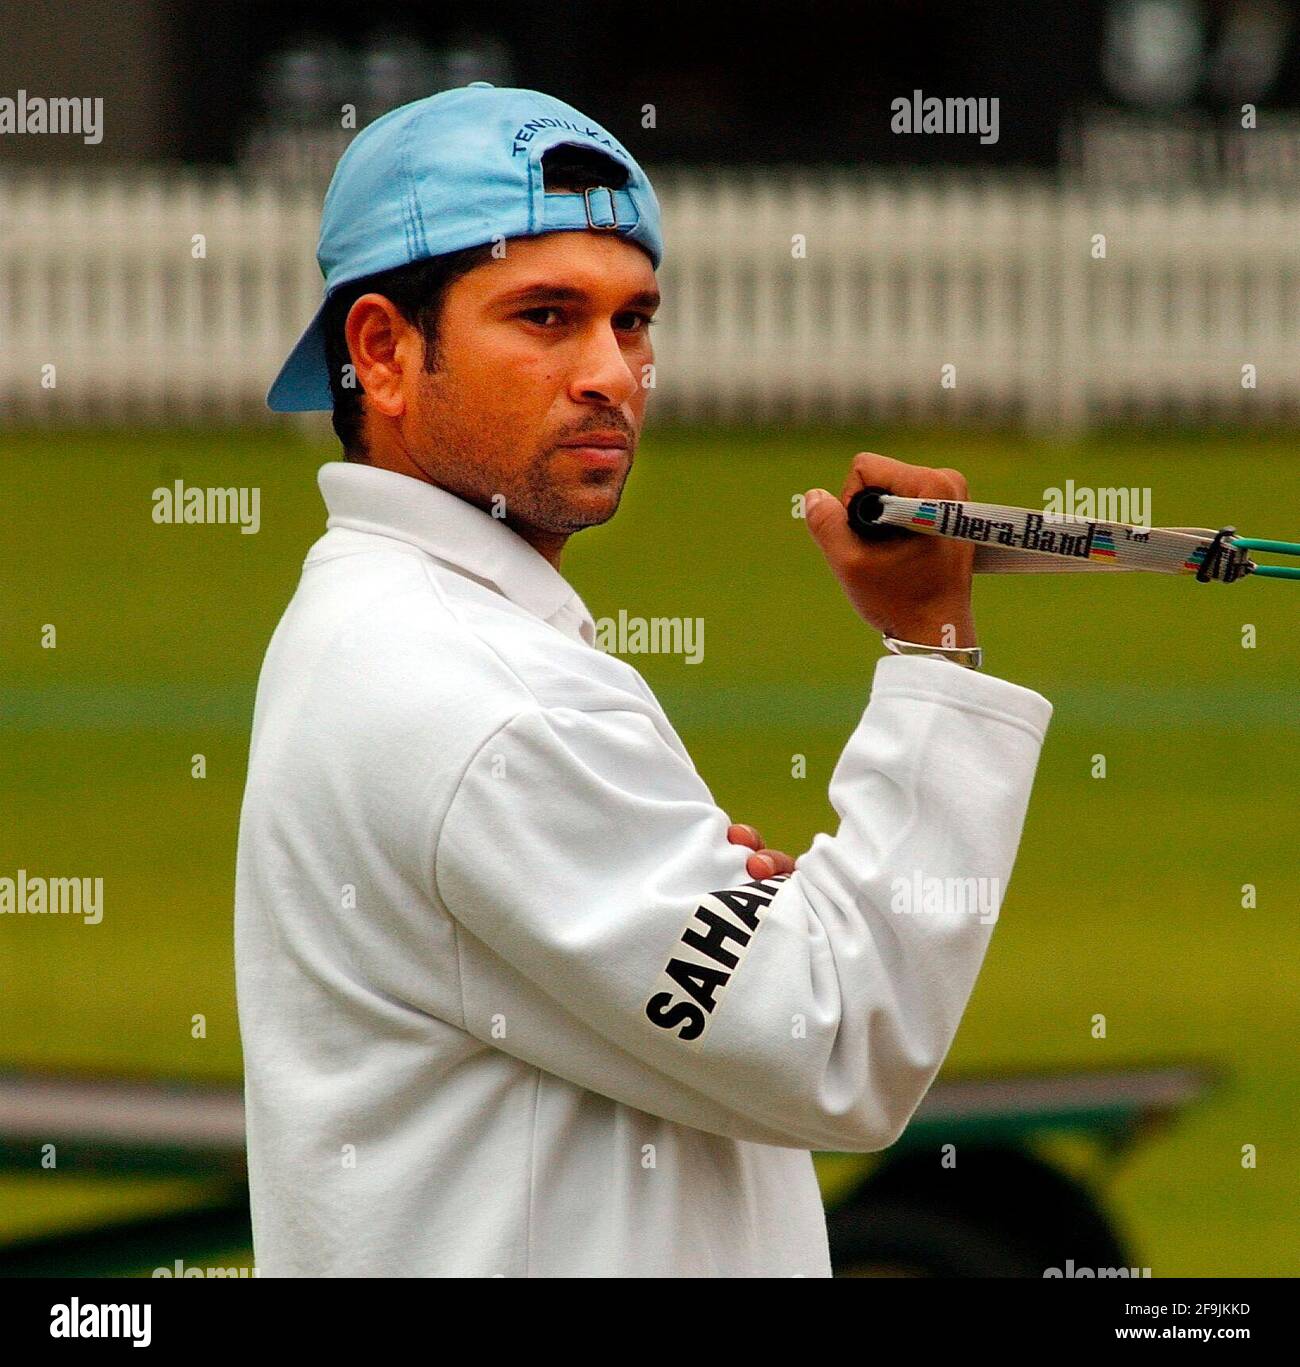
{"x":510,"y":1003}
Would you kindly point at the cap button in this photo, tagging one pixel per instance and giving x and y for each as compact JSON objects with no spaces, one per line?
{"x":481,"y":85}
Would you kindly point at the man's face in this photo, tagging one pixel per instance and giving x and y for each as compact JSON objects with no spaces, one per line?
{"x":539,"y":384}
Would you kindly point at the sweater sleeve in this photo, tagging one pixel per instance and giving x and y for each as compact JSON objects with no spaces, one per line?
{"x":608,"y":933}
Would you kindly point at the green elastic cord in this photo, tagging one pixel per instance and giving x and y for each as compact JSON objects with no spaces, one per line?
{"x":1255,"y":543}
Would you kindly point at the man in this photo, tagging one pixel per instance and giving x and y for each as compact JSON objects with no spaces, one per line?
{"x":512,"y":1002}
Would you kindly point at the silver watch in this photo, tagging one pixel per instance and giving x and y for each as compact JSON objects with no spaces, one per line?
{"x":969,"y":657}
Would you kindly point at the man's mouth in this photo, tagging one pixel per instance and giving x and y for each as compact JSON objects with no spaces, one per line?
{"x":602,"y":440}
{"x":598,"y":448}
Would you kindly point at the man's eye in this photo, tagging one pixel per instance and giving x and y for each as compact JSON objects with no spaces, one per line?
{"x":545,"y":316}
{"x":633,"y":322}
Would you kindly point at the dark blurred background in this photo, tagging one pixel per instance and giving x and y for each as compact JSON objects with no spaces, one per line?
{"x":199,"y":82}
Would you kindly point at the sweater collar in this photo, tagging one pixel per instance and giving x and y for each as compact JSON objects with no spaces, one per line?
{"x":444,"y":525}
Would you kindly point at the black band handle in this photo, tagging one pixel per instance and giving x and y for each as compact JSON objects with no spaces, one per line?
{"x":864,"y":512}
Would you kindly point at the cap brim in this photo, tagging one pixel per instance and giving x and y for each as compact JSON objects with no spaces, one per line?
{"x":303,"y":384}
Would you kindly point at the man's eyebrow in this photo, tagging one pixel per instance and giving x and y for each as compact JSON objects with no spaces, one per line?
{"x":568,"y":294}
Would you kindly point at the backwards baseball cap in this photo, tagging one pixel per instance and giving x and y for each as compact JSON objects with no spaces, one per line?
{"x":456,"y":170}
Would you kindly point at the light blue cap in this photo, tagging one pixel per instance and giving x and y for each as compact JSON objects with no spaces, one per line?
{"x":456,"y":170}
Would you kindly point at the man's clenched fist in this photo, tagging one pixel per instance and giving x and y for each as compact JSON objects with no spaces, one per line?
{"x":915,"y":588}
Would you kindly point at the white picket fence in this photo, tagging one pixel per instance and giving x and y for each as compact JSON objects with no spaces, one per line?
{"x":788,"y":295}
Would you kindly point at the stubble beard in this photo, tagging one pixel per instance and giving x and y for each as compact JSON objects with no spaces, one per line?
{"x":545,"y":503}
{"x":454,"y":458}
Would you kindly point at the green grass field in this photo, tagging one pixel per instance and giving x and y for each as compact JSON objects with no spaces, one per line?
{"x":1127,"y":896}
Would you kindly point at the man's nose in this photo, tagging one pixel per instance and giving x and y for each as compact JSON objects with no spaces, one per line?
{"x":602,"y":374}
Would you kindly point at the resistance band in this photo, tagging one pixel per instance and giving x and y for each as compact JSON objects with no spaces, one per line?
{"x":1022,"y":541}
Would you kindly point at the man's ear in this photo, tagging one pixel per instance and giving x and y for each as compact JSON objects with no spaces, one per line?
{"x":384,"y":348}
